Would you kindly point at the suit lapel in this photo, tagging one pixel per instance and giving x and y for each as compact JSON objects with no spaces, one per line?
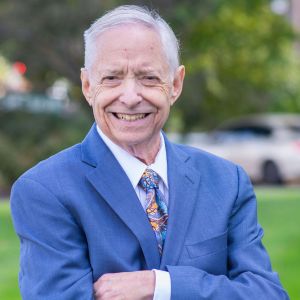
{"x":111,"y":182}
{"x":183,"y":184}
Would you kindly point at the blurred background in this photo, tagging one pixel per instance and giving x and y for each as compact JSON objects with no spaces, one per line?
{"x":241,"y":100}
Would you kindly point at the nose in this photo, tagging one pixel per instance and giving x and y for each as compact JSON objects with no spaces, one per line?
{"x":130,"y":93}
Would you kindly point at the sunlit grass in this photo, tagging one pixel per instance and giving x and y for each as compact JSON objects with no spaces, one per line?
{"x":9,"y":256}
{"x":278,"y":210}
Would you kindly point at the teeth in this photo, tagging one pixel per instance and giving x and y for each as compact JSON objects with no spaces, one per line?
{"x":131,"y":117}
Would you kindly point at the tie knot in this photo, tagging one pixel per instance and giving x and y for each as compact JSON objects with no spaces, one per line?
{"x":149,"y":180}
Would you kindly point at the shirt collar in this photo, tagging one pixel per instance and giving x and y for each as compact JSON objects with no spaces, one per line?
{"x":132,"y":166}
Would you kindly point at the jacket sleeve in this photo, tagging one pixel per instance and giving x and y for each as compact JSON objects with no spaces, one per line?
{"x":54,"y":260}
{"x":249,"y":274}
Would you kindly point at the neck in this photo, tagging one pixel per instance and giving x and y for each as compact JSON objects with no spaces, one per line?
{"x":146,"y":153}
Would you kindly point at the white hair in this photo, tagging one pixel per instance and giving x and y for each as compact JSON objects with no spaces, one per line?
{"x":132,"y":14}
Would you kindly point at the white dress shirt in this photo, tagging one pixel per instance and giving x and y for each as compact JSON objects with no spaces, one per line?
{"x":134,"y":169}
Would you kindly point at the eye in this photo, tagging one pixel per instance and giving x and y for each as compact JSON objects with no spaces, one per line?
{"x":150,"y":79}
{"x":111,"y":80}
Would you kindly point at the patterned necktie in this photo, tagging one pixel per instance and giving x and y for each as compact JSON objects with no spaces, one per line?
{"x":156,"y":207}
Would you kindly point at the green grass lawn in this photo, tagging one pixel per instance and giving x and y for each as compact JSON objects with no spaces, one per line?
{"x":278,"y":210}
{"x":9,"y":256}
{"x":278,"y":213}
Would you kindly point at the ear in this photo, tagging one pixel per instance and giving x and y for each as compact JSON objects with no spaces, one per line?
{"x":177,"y":83}
{"x":86,"y":86}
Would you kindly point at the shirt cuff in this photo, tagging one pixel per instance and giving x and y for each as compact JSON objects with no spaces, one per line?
{"x":162,"y":285}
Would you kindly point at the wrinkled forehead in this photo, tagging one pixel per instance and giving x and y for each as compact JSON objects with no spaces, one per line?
{"x":137,"y":43}
{"x":127,"y":35}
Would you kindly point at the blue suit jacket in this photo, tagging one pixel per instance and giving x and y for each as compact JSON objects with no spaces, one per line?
{"x":78,"y":217}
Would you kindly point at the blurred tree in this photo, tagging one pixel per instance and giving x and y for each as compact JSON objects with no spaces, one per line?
{"x":239,"y":54}
{"x":48,"y":35}
{"x":240,"y":59}
{"x":26,"y":138}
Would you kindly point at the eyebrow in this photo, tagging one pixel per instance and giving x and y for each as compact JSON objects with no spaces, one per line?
{"x":140,"y":71}
{"x":148,"y":70}
{"x":111,"y":71}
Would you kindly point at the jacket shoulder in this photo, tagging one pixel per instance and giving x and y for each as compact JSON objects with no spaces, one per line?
{"x":55,"y":165}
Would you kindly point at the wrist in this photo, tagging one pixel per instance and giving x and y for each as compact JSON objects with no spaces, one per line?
{"x":149,"y":284}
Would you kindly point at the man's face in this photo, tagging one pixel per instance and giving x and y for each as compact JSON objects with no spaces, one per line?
{"x":129,"y":86}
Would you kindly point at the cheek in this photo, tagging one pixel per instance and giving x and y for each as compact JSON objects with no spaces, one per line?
{"x":98,"y":92}
{"x":163,"y":104}
{"x":159,"y":96}
{"x":102,"y":98}
{"x":165,"y":91}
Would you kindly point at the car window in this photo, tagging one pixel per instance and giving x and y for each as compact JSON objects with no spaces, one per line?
{"x":295,"y":129}
{"x":244,"y":133}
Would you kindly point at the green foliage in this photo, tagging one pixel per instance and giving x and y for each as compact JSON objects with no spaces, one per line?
{"x":48,"y":35}
{"x":281,"y":240}
{"x":240,"y":58}
{"x":27,"y":138}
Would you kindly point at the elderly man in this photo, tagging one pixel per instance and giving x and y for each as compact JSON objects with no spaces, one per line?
{"x":126,"y":214}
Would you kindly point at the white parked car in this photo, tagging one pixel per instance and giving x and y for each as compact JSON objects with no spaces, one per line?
{"x":266,"y":145}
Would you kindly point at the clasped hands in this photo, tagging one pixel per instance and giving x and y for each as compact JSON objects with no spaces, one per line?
{"x":127,"y":285}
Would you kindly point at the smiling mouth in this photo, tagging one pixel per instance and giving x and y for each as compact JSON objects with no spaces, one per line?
{"x":128,"y":117}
